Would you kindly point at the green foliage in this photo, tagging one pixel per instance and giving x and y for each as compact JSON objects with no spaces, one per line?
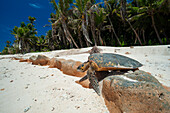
{"x":164,"y":40}
{"x":5,"y":50}
{"x":123,"y":43}
{"x":100,"y":17}
{"x":8,"y":43}
{"x":81,"y":4}
{"x":150,"y":42}
{"x":23,"y":24}
{"x":31,"y":19}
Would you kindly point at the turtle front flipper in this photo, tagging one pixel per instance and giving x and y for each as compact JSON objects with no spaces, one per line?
{"x":84,"y":78}
{"x":94,"y":82}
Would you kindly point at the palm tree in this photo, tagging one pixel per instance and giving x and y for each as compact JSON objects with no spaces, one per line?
{"x":41,"y":42}
{"x":151,"y":8}
{"x":112,"y":10}
{"x":61,"y":12}
{"x":18,"y":33}
{"x":81,"y":11}
{"x":17,"y":40}
{"x":8,"y":47}
{"x":50,"y":41}
{"x":99,"y":18}
{"x":123,"y":9}
{"x":22,"y":32}
{"x":123,"y":15}
{"x":31,"y":19}
{"x":8,"y":43}
{"x":24,"y":35}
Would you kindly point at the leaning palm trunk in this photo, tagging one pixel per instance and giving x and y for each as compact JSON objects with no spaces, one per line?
{"x":34,"y":47}
{"x":27,"y":47}
{"x":19,"y":43}
{"x":134,"y":32}
{"x":100,"y":38}
{"x":23,"y":46}
{"x":79,"y":37}
{"x":85,"y":32}
{"x":123,"y":9}
{"x":114,"y":31}
{"x":67,"y":33}
{"x":61,"y":35}
{"x":153,"y":23}
{"x":72,"y":38}
{"x":50,"y":44}
{"x":93,"y":28}
{"x":52,"y":32}
{"x":143,"y":33}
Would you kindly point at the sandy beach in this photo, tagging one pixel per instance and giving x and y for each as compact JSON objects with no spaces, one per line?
{"x":38,"y":89}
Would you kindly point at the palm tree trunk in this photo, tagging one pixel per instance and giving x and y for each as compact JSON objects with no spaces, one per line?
{"x":40,"y":47}
{"x":93,"y":28}
{"x":134,"y":32}
{"x":61,"y":34}
{"x":87,"y":43}
{"x":79,"y":37}
{"x":34,"y":47}
{"x":67,"y":33}
{"x":52,"y":32}
{"x":51,"y":41}
{"x":123,"y":9}
{"x":22,"y":46}
{"x":19,"y":43}
{"x":100,"y":38}
{"x":72,"y":38}
{"x":112,"y":39}
{"x":27,"y":47}
{"x":143,"y":33}
{"x":85,"y":33}
{"x":114,"y":31}
{"x":153,"y":23}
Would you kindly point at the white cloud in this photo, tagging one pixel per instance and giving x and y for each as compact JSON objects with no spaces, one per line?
{"x":35,"y":5}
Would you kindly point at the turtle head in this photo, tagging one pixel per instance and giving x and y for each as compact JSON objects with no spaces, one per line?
{"x":83,"y":67}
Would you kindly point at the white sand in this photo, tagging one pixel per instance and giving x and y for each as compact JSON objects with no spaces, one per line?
{"x":33,"y":89}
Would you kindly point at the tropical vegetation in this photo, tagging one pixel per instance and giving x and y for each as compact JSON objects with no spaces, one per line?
{"x":85,"y":23}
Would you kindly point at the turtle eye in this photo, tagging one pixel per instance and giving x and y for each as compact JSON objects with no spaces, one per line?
{"x":82,"y":67}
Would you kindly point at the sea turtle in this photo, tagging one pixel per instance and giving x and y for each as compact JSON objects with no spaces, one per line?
{"x":105,"y":62}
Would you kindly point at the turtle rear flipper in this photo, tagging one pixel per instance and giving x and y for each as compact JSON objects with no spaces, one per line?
{"x":95,"y":84}
{"x":84,"y":78}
